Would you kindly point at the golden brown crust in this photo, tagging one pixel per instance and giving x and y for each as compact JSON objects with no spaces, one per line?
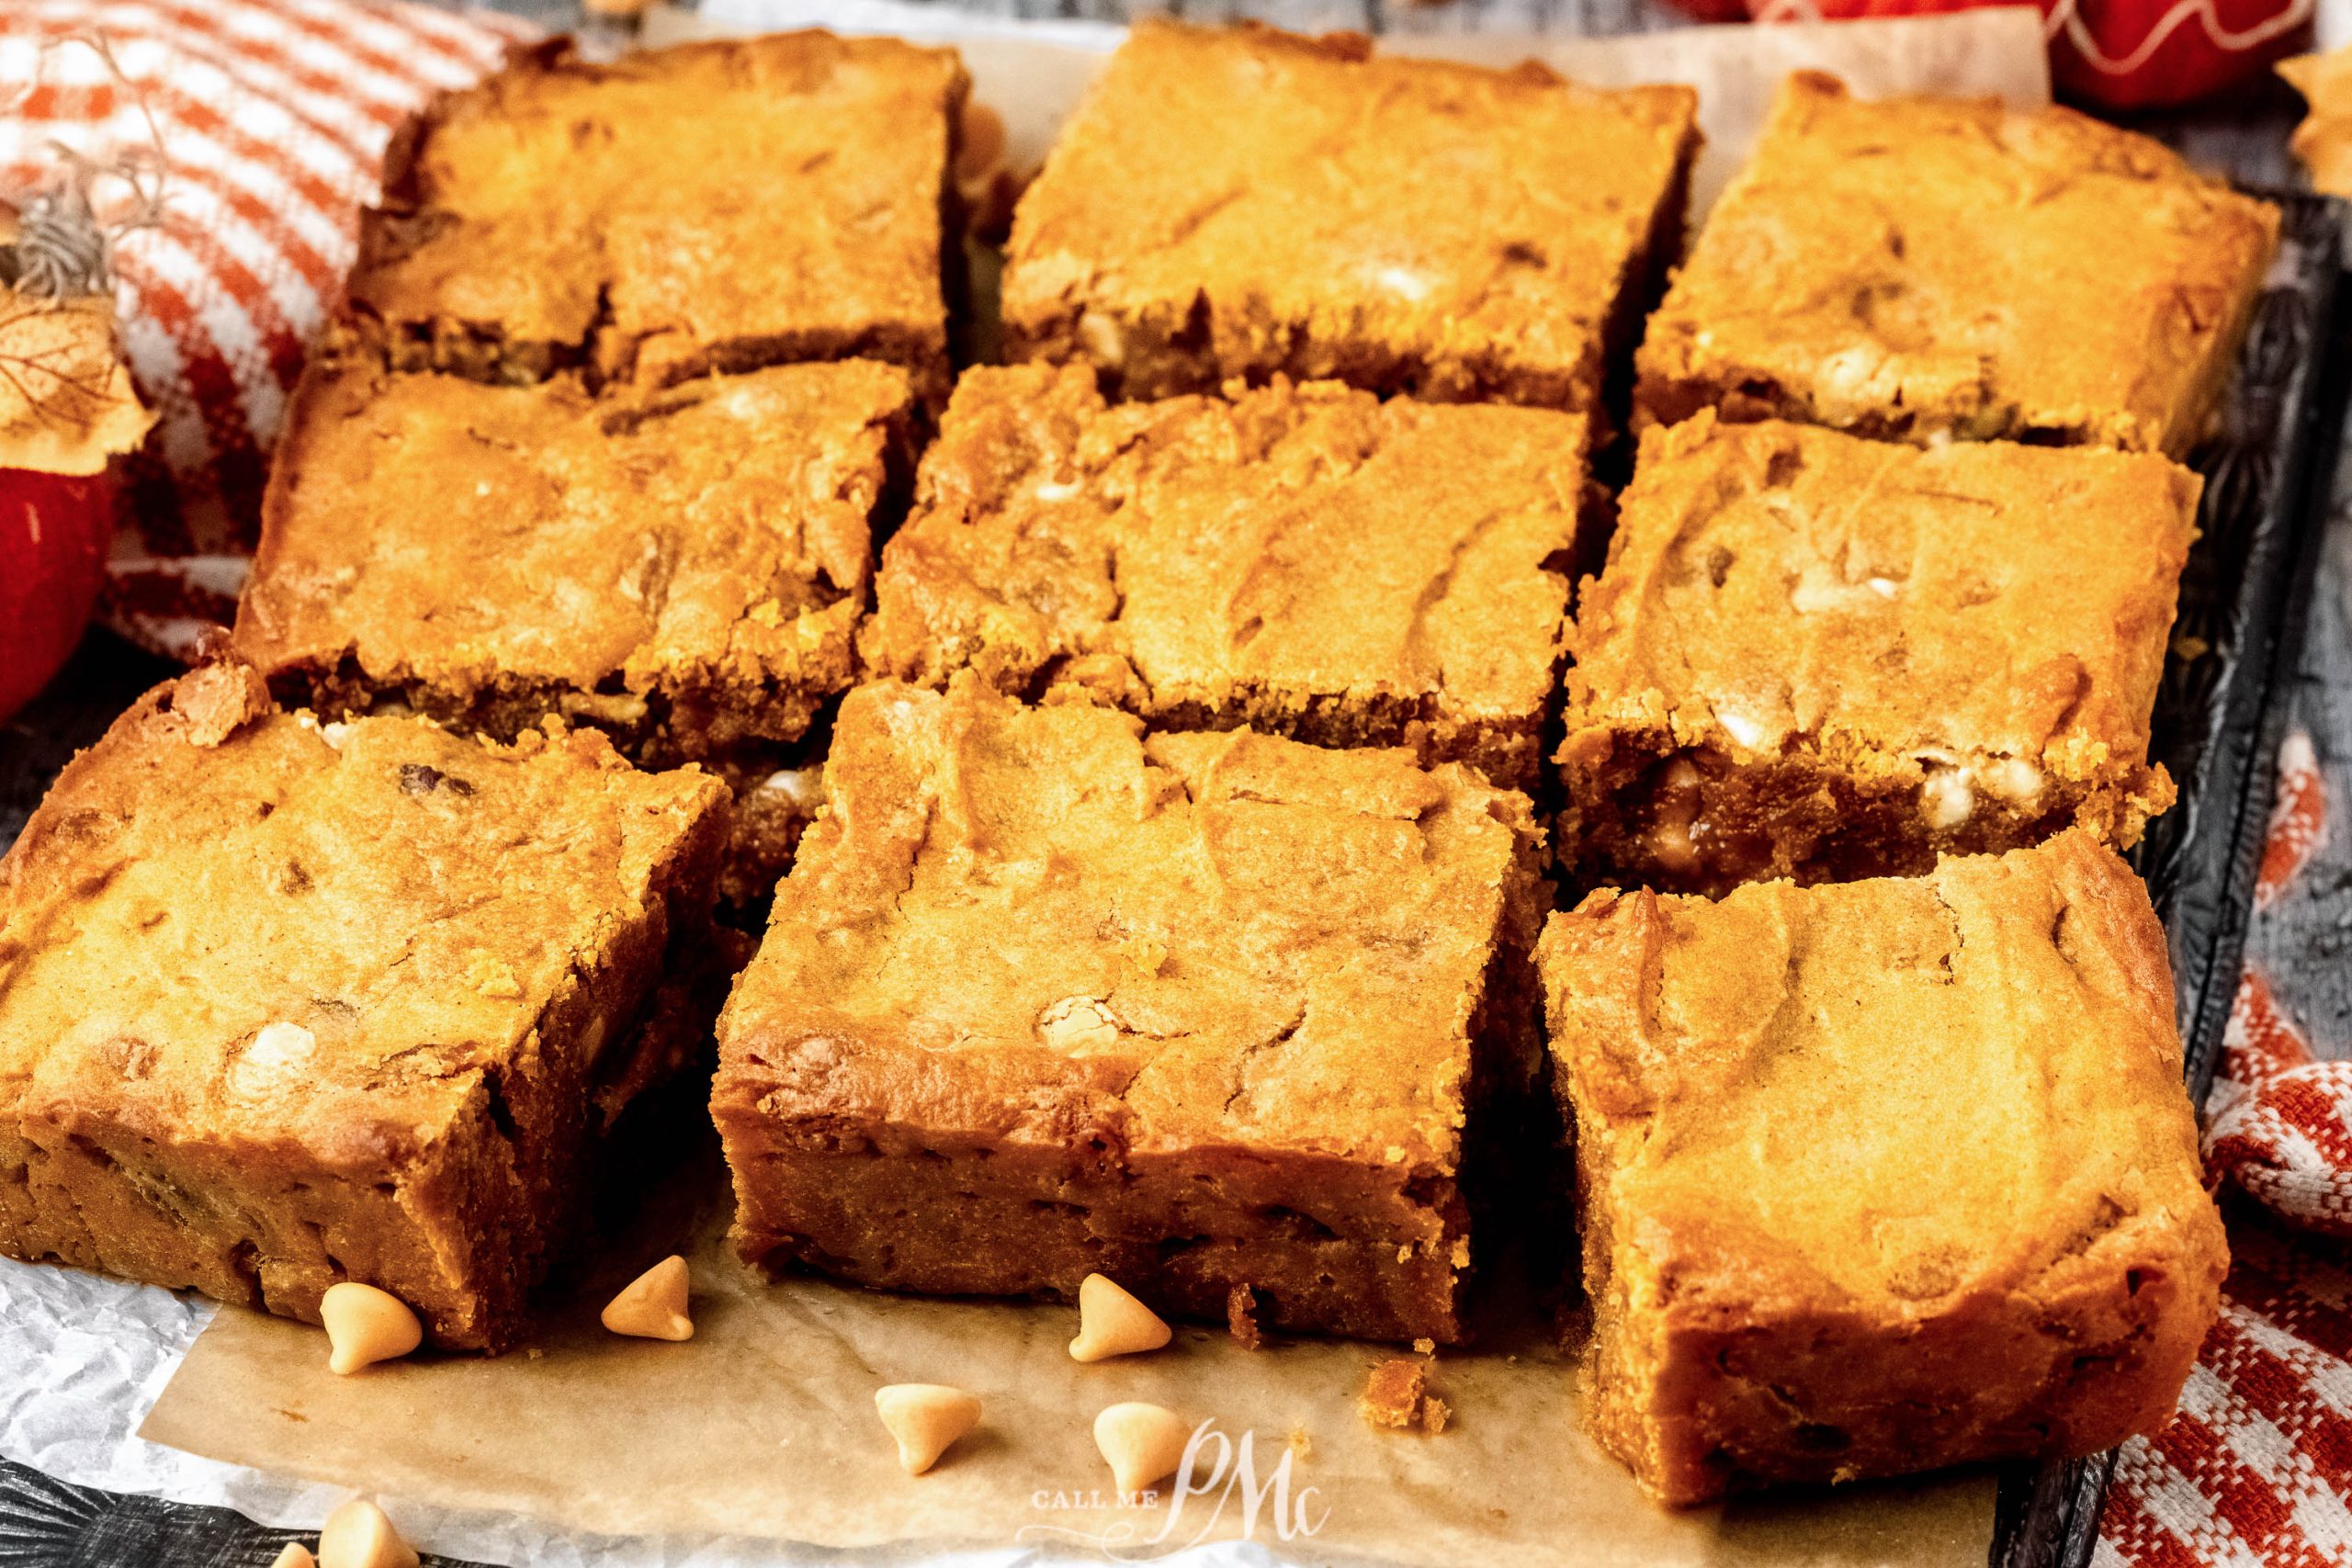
{"x":1243,"y":201}
{"x":1219,"y":1005}
{"x":1306,"y":560}
{"x":1924,"y":266}
{"x":298,"y":1003}
{"x":1967,"y":641}
{"x":685,"y":567}
{"x":716,"y":205}
{"x":1881,"y":1176}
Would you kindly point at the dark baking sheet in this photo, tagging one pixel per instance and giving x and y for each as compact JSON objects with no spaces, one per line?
{"x":2216,"y":728}
{"x":2243,"y":604}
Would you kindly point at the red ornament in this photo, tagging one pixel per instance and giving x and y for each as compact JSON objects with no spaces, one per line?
{"x":2112,"y":54}
{"x":55,"y":529}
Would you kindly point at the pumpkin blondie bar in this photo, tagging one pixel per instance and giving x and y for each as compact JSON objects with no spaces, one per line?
{"x":1306,"y":560}
{"x":1043,"y":998}
{"x":284,"y":1004}
{"x":683,"y":567}
{"x":1820,"y":657}
{"x":716,"y":205}
{"x":1239,"y":202}
{"x":1881,"y":1176}
{"x":1918,"y":269}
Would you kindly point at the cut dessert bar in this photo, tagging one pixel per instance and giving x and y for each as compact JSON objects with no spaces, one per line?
{"x":284,"y":1004}
{"x":1923,"y":267}
{"x":1881,"y":1176}
{"x":1207,"y":1011}
{"x":1816,"y":656}
{"x":685,"y":568}
{"x":1306,"y":560}
{"x":716,"y":205}
{"x":1242,"y":201}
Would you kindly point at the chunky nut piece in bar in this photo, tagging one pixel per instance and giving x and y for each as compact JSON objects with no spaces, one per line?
{"x":1245,"y":202}
{"x":1881,"y":1176}
{"x":1820,"y":657}
{"x":1920,"y":268}
{"x":1301,"y":971}
{"x":714,"y":207}
{"x":1308,"y":561}
{"x":271,"y":1018}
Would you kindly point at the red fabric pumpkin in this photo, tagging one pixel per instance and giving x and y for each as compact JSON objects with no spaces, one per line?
{"x":55,"y":529}
{"x":2112,"y":54}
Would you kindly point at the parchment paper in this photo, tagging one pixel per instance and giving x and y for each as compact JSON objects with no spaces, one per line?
{"x":764,"y":1425}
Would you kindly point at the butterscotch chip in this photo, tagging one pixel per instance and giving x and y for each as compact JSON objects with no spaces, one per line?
{"x":294,"y":1554}
{"x":925,"y":1417}
{"x":1143,"y":1442}
{"x":357,"y":1535}
{"x":1239,"y":202}
{"x":1302,"y":560}
{"x":653,"y":1305}
{"x":1111,"y":1322}
{"x":366,"y":1324}
{"x":1396,"y":1396}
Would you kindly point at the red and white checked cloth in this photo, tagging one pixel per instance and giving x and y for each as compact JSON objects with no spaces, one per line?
{"x":272,"y":116}
{"x":2256,"y":1470}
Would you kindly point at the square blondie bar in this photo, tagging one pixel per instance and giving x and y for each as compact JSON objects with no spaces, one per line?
{"x":685,"y":568}
{"x":1924,"y":267}
{"x":284,"y":1004}
{"x":1881,"y":1176}
{"x":1043,"y":998}
{"x":1820,"y":657}
{"x":1306,"y":560}
{"x":716,"y":205}
{"x":1240,"y":202}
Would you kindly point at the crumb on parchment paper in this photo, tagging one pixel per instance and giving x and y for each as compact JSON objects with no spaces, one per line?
{"x":1396,"y":1396}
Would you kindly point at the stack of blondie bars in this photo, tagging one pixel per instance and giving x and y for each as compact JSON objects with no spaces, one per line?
{"x":1190,"y":782}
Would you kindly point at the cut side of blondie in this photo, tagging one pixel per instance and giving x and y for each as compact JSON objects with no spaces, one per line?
{"x":1918,"y":268}
{"x":284,"y":1004}
{"x":1306,"y":560}
{"x":1239,"y":202}
{"x":1882,"y":1177}
{"x":1817,"y":656}
{"x":713,"y":207}
{"x":1201,"y":1012}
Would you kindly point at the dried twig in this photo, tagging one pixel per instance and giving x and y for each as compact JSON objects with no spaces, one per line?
{"x":62,"y":249}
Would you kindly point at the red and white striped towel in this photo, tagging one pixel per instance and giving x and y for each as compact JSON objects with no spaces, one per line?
{"x":2256,"y":1471}
{"x":272,"y":116}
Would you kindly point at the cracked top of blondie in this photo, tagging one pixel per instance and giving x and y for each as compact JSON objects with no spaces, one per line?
{"x":1246,"y":186}
{"x":709,"y":543}
{"x":1921,"y":266}
{"x":1775,"y":585}
{"x":1296,"y":547}
{"x":234,"y":928}
{"x":709,"y":207}
{"x":1033,"y":925}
